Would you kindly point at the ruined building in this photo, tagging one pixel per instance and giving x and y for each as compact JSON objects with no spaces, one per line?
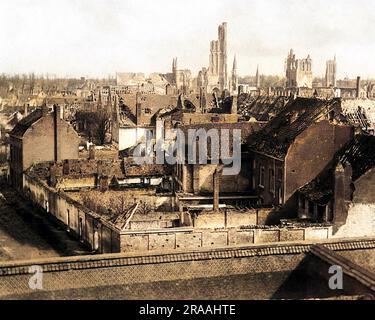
{"x":331,"y":70}
{"x":343,"y":192}
{"x":303,"y":132}
{"x":181,"y":79}
{"x":40,"y":136}
{"x":215,"y":78}
{"x":298,"y":71}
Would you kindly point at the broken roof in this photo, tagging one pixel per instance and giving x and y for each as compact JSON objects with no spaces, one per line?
{"x":262,"y":108}
{"x":279,"y":133}
{"x":359,"y":153}
{"x":25,"y":123}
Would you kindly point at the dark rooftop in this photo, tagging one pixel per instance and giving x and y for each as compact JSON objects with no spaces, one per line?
{"x":262,"y":108}
{"x":279,"y":133}
{"x":25,"y":123}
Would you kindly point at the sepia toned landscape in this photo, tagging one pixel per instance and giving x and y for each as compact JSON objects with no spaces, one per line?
{"x":167,"y":150}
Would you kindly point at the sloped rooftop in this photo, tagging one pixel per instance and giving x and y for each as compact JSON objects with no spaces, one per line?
{"x":262,"y":108}
{"x":25,"y":123}
{"x":279,"y":133}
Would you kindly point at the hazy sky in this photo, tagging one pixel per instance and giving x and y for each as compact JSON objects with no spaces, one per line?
{"x":97,"y":37}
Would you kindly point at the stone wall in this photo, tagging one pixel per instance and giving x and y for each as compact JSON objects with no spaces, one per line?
{"x":314,"y":152}
{"x":98,"y":234}
{"x":225,"y":219}
{"x":38,"y":141}
{"x":360,"y":221}
{"x":104,"y":271}
{"x":192,"y":238}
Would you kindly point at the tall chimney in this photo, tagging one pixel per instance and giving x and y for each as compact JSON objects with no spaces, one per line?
{"x":234,"y":105}
{"x":216,"y":189}
{"x":56,"y":119}
{"x":138,"y":107}
{"x":358,"y":86}
{"x":52,"y":175}
{"x":342,"y":193}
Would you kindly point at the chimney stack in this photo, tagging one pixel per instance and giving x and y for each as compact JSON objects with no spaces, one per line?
{"x":66,"y":167}
{"x":358,"y":87}
{"x":138,"y":107}
{"x":92,"y":152}
{"x":234,"y":105}
{"x":342,"y":192}
{"x":216,"y":189}
{"x":55,"y":131}
{"x":52,"y":175}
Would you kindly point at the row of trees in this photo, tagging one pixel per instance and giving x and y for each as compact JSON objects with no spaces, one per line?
{"x":265,"y":81}
{"x":27,"y":82}
{"x":95,"y":125}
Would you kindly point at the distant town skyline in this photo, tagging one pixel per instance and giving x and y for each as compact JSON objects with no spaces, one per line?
{"x":99,"y":38}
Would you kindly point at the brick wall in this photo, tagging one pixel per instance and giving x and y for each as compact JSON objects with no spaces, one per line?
{"x":229,"y":219}
{"x":360,"y":221}
{"x":189,"y":238}
{"x":124,"y":269}
{"x":38,"y":141}
{"x":77,"y":219}
{"x":314,"y":148}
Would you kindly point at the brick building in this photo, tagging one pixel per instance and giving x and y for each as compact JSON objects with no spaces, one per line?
{"x":41,"y":136}
{"x":294,"y":147}
{"x":344,"y":193}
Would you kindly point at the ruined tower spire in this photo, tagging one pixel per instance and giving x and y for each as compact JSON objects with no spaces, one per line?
{"x":257,"y":78}
{"x":234,"y":80}
{"x":235,"y":64}
{"x":174,"y":70}
{"x":99,"y":103}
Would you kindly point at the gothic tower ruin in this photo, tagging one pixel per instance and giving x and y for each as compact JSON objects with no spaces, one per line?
{"x":217,"y":75}
{"x":298,"y":71}
{"x":331,"y":70}
{"x":234,"y":79}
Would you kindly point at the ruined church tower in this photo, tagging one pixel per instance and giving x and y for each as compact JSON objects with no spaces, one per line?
{"x":174,"y":70}
{"x":234,"y":80}
{"x":217,"y":70}
{"x":257,"y":78}
{"x":331,"y":71}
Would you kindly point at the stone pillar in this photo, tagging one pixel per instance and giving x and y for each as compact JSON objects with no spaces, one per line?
{"x":52,"y":175}
{"x":306,"y":208}
{"x":234,"y":105}
{"x":92,"y":152}
{"x":66,"y":167}
{"x":342,"y":193}
{"x":103,"y":183}
{"x":196,"y":178}
{"x":99,"y":169}
{"x":358,"y":88}
{"x":216,"y":189}
{"x":138,"y":110}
